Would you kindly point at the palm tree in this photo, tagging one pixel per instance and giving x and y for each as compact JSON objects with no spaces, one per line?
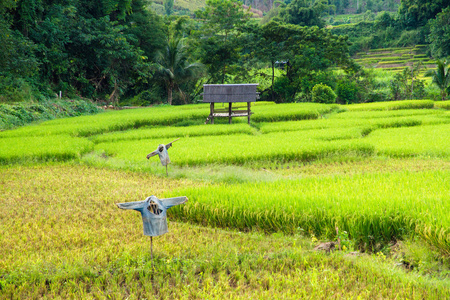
{"x":173,"y":67}
{"x":441,"y":77}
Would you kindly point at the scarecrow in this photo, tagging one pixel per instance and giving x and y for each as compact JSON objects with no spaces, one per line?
{"x":163,"y":154}
{"x":154,"y":214}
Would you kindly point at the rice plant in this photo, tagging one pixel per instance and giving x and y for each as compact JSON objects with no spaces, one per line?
{"x":43,"y":148}
{"x":167,"y":132}
{"x":392,"y":105}
{"x":63,"y":237}
{"x":243,"y":149}
{"x":374,"y":208}
{"x":427,"y":141}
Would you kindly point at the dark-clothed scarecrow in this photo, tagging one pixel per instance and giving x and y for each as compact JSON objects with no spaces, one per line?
{"x":162,"y":153}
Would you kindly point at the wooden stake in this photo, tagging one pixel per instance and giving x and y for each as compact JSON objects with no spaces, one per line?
{"x":151,"y":255}
{"x":338,"y":238}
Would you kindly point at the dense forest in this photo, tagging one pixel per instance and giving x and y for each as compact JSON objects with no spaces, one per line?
{"x":124,"y":52}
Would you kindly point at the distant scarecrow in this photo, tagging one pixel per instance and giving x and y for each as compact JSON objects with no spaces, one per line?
{"x":163,"y":154}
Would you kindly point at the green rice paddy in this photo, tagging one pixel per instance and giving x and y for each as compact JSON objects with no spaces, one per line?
{"x":378,"y":172}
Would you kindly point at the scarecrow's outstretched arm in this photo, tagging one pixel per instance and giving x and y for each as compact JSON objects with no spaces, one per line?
{"x":152,"y":154}
{"x":169,"y":202}
{"x":132,"y":205}
{"x":170,"y":144}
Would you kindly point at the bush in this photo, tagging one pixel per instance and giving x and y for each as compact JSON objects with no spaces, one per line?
{"x":322,"y":93}
{"x":284,"y":90}
{"x":347,"y":92}
{"x":24,"y":113}
{"x":14,"y":89}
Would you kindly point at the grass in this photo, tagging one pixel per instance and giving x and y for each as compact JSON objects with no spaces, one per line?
{"x":162,"y":116}
{"x":244,"y":149}
{"x":378,"y":171}
{"x":443,"y":104}
{"x":167,"y":132}
{"x":374,"y":209}
{"x":429,"y":140}
{"x":71,"y":241}
{"x":368,"y":121}
{"x":290,"y":111}
{"x":392,"y":105}
{"x":42,"y":148}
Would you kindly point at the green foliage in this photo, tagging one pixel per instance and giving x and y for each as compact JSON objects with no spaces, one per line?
{"x":347,"y":91}
{"x":78,"y":48}
{"x":283,"y":90}
{"x":439,"y":36}
{"x":222,"y":22}
{"x":15,"y":89}
{"x":173,"y":68}
{"x":415,"y":13}
{"x":21,"y":114}
{"x":306,"y":52}
{"x":168,"y":6}
{"x":441,"y":77}
{"x":405,"y":84}
{"x":322,"y":93}
{"x":304,"y":13}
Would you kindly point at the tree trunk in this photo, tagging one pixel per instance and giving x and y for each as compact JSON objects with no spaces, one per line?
{"x":223,"y":73}
{"x":273,"y":80}
{"x":169,"y":94}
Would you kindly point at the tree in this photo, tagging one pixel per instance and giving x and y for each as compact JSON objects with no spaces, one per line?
{"x":222,"y":23}
{"x":307,"y":52}
{"x":416,"y":13}
{"x":439,"y":36}
{"x":168,"y":6}
{"x":441,"y":77}
{"x":173,"y":67}
{"x":268,"y":44}
{"x":304,"y":13}
{"x":93,"y":49}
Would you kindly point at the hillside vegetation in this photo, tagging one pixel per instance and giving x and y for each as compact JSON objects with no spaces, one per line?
{"x":119,"y":53}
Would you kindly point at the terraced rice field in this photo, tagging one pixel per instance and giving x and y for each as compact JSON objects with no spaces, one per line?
{"x":378,"y":172}
{"x":394,"y":59}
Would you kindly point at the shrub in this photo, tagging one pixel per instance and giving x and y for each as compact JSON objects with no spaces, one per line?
{"x":347,"y":92}
{"x":284,"y":90}
{"x":27,"y":112}
{"x":322,"y":93}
